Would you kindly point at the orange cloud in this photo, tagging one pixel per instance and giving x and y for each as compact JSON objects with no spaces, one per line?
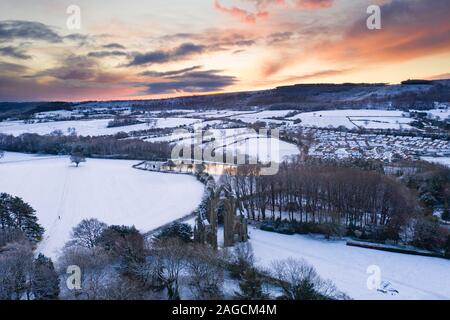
{"x":243,"y":15}
{"x":314,"y":4}
{"x":409,"y":30}
{"x":262,"y":8}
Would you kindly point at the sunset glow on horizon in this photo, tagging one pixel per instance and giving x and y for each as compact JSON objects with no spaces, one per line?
{"x":165,"y":48}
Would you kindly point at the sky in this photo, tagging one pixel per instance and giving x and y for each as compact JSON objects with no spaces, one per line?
{"x":141,"y":49}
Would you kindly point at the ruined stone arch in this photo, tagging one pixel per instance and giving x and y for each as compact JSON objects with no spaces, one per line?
{"x":235,"y":225}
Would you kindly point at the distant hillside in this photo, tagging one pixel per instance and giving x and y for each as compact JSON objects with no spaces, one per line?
{"x":8,"y":109}
{"x":415,"y":94}
{"x":310,"y":97}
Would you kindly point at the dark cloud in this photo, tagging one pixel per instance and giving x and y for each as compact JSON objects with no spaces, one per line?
{"x":187,"y":49}
{"x":114,"y":46}
{"x":213,"y":39}
{"x":103,"y":54}
{"x":241,"y":43}
{"x":81,"y":39}
{"x":168,"y":73}
{"x":7,"y":67}
{"x":192,"y":81}
{"x":19,"y":29}
{"x":279,"y":37}
{"x":183,"y":51}
{"x":72,"y":68}
{"x":14,"y":52}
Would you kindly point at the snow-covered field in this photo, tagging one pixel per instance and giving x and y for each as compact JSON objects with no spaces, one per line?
{"x":264,"y":116}
{"x":440,"y":114}
{"x":414,"y":277}
{"x":440,"y":160}
{"x":264,"y":149}
{"x":351,"y":119}
{"x":87,"y":127}
{"x":241,"y":141}
{"x":110,"y":190}
{"x":220,"y":113}
{"x":382,"y":122}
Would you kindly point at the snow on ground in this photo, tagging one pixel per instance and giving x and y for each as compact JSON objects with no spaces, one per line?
{"x":415,"y":277}
{"x":396,"y":123}
{"x":83,"y":128}
{"x":86,"y":127}
{"x":109,"y":190}
{"x":57,"y":114}
{"x":264,"y":116}
{"x":220,"y":113}
{"x":175,"y":122}
{"x":264,"y":149}
{"x":440,"y":160}
{"x":237,"y":141}
{"x":441,"y":114}
{"x":336,"y":118}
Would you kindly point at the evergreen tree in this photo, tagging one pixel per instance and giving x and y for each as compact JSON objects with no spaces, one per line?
{"x":17,"y":214}
{"x":181,"y":231}
{"x":5,"y":216}
{"x":251,"y":286}
{"x":26,"y":219}
{"x":45,"y":281}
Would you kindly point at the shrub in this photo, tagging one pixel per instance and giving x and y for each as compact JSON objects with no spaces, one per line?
{"x":181,"y":231}
{"x":429,"y":235}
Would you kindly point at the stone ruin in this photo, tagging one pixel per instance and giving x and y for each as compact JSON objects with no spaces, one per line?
{"x":235,"y":225}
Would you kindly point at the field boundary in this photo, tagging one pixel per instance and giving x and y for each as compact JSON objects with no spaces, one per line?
{"x":396,"y":249}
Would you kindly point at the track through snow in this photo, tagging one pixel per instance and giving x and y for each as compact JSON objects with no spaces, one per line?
{"x":109,"y":190}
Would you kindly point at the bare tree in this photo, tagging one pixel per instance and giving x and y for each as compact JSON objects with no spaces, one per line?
{"x":171,"y":255}
{"x":77,"y":155}
{"x":300,"y":281}
{"x":206,"y":273}
{"x":16,"y":266}
{"x":2,"y":154}
{"x":96,"y":268}
{"x":77,"y":159}
{"x":87,"y":232}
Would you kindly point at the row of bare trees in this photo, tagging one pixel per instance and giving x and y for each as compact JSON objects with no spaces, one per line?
{"x":105,"y":146}
{"x":316,"y":192}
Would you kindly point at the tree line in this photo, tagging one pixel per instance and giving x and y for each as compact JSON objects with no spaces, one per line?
{"x":351,"y":198}
{"x":316,"y":193}
{"x":119,"y":263}
{"x":101,"y":147}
